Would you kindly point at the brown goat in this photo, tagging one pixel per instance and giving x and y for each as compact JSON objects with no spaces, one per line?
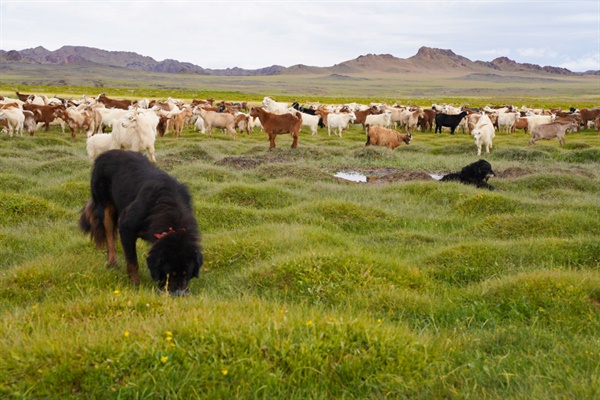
{"x":380,"y":136}
{"x":275,"y":124}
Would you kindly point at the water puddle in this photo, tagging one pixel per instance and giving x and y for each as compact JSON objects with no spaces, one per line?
{"x":386,"y":176}
{"x":351,"y":176}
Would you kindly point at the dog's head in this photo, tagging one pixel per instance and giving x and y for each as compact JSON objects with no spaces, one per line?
{"x":484,"y":170}
{"x":174,"y":259}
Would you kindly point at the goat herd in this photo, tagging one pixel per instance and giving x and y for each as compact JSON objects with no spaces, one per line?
{"x":135,"y":124}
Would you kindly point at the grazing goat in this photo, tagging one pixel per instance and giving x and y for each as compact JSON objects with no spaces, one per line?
{"x":275,"y":124}
{"x":395,"y":115}
{"x":426,"y":122}
{"x":380,"y":136}
{"x":361,"y":115}
{"x":100,"y":143}
{"x":254,"y":122}
{"x":309,"y":111}
{"x":29,"y":124}
{"x":108,"y":116}
{"x":339,"y":122}
{"x":15,"y":119}
{"x":323,"y":113}
{"x":44,"y":114}
{"x":410,"y":118}
{"x":241,"y":122}
{"x":589,"y":115}
{"x":521,"y":123}
{"x":78,"y":120}
{"x":217,"y":120}
{"x":384,"y":119}
{"x":506,"y":121}
{"x":176,"y":120}
{"x":136,"y":132}
{"x":311,"y":121}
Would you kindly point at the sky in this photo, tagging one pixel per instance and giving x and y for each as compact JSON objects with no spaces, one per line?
{"x":257,"y":34}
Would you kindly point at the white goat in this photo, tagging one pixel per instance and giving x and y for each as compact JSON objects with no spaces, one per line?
{"x":100,"y":143}
{"x":384,"y":119}
{"x":218,"y":120}
{"x":109,"y":116}
{"x":339,"y":121}
{"x":483,"y":133}
{"x":136,"y":131}
{"x":273,"y":106}
{"x":311,"y":121}
{"x":15,"y":118}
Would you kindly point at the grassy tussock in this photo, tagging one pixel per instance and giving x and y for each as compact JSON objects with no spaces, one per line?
{"x":487,"y":204}
{"x":468,"y":263}
{"x":562,"y":223}
{"x":583,"y":156}
{"x":16,"y":208}
{"x":312,"y":287}
{"x":544,"y":182}
{"x":252,"y":196}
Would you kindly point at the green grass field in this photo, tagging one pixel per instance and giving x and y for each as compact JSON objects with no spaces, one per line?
{"x":313,"y":287}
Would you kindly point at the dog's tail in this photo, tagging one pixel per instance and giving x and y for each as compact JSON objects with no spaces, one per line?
{"x":90,"y":223}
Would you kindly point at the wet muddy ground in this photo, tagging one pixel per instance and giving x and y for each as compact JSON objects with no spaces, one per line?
{"x":384,"y":174}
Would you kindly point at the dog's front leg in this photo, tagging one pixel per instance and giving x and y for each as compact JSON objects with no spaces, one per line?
{"x":128,"y":242}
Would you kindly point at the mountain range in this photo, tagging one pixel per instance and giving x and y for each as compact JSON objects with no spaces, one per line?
{"x":426,"y":60}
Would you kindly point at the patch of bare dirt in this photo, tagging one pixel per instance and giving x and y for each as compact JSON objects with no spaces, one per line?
{"x":583,"y":172}
{"x":518,"y":172}
{"x":240,"y":162}
{"x":404,"y":176}
{"x":514,"y":172}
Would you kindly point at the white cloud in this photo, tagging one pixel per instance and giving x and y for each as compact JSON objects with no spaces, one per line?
{"x":532,"y":52}
{"x":590,"y":61}
{"x":490,"y":54}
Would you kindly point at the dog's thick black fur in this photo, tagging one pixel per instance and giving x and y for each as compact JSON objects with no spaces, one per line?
{"x":131,"y":195}
{"x":476,"y":174}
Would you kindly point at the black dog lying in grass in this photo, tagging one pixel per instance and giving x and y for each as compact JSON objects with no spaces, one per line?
{"x":476,"y":174}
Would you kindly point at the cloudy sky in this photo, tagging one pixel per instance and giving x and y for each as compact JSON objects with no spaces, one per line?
{"x":256,"y":34}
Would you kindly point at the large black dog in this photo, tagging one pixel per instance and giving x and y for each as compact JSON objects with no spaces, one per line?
{"x":131,"y":195}
{"x":476,"y":174}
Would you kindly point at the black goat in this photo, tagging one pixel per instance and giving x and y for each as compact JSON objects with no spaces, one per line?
{"x":448,"y":120}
